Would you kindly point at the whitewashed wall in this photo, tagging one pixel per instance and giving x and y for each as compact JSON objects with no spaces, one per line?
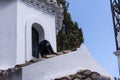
{"x":8,"y":36}
{"x":62,"y":65}
{"x":16,"y":19}
{"x":26,"y":16}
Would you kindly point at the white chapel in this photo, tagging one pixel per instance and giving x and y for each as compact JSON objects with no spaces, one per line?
{"x":18,"y":19}
{"x":25,"y":21}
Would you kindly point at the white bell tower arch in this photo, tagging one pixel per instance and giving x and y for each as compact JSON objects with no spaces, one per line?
{"x":34,"y":23}
{"x":17,"y":18}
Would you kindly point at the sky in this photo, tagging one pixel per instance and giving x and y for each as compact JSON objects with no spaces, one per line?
{"x":95,"y":19}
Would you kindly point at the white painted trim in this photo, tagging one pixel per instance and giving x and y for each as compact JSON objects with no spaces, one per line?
{"x":48,"y":7}
{"x":28,"y":37}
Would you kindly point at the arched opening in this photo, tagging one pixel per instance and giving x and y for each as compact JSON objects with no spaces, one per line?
{"x":37,"y":36}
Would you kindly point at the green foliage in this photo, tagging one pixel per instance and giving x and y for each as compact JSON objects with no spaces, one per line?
{"x":70,"y":36}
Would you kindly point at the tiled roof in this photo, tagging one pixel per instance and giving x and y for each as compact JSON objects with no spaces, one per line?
{"x":84,"y":75}
{"x":80,"y":75}
{"x":5,"y":73}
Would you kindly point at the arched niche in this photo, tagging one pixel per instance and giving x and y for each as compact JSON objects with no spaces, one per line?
{"x":32,"y":25}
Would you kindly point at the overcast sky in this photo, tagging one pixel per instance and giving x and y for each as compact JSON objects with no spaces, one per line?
{"x":94,"y":17}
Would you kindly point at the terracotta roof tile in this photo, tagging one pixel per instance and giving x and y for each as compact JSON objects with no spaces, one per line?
{"x":84,"y":75}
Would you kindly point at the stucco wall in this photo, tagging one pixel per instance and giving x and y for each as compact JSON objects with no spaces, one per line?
{"x":8,"y":25}
{"x":16,"y":19}
{"x":62,"y":65}
{"x":26,"y":16}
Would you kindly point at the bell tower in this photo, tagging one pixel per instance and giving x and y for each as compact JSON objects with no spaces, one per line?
{"x":24,"y":23}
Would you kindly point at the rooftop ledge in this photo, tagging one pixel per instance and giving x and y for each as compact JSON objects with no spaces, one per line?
{"x":75,"y":68}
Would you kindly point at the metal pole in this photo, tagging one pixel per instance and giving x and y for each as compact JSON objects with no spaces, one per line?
{"x":114,"y":26}
{"x":115,"y":16}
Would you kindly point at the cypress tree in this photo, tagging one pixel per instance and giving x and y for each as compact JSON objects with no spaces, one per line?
{"x":70,"y":36}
